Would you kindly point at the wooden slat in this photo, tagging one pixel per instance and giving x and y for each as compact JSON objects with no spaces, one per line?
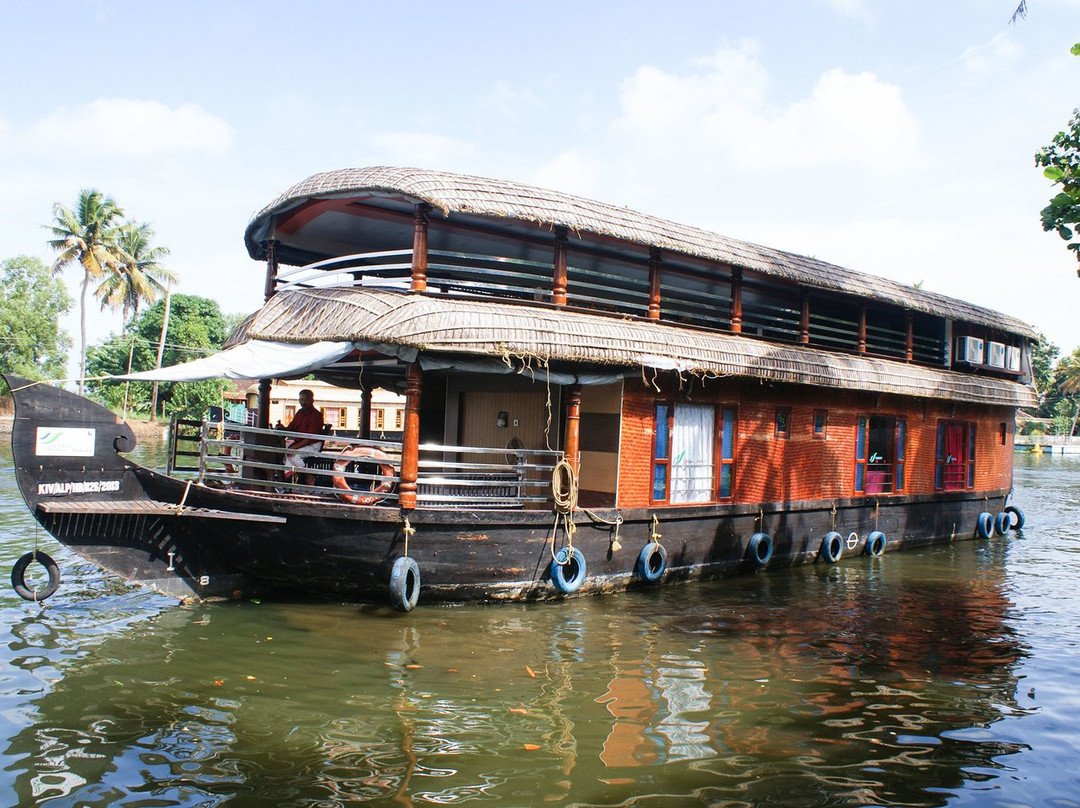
{"x":145,"y":507}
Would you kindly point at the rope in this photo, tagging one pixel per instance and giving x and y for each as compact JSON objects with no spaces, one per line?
{"x":183,"y":499}
{"x":616,"y":545}
{"x":832,"y":525}
{"x":564,"y":491}
{"x":656,"y":535}
{"x":407,"y":530}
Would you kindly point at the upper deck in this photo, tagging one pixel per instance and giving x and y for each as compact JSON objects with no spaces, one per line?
{"x":460,"y":236}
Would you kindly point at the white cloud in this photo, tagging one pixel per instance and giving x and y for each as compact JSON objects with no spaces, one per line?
{"x":850,"y":8}
{"x":422,"y":150}
{"x":129,"y":127}
{"x":998,"y":55}
{"x":720,"y":113}
{"x":572,"y":171}
{"x":505,"y":101}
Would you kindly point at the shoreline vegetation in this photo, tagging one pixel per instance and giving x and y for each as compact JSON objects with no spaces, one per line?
{"x":143,"y":429}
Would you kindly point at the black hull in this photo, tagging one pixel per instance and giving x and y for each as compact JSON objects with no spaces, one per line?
{"x":191,"y":541}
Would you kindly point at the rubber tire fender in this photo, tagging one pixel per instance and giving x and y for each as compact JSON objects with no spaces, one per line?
{"x":405,"y":584}
{"x":1002,"y":523}
{"x":984,"y":526}
{"x":18,"y":576}
{"x":832,"y":547}
{"x":652,"y":562}
{"x":568,"y":570}
{"x":1017,"y":517}
{"x":760,"y":549}
{"x":875,"y":544}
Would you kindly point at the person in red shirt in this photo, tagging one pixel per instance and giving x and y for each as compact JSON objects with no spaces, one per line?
{"x":309,"y":420}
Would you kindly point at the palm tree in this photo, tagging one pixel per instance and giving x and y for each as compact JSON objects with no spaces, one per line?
{"x":1068,"y":372}
{"x":87,"y":236}
{"x":138,"y":276}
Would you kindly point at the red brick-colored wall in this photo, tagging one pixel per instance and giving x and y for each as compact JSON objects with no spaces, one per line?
{"x":802,"y":467}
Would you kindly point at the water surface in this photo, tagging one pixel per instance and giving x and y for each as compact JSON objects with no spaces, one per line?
{"x":938,"y":677}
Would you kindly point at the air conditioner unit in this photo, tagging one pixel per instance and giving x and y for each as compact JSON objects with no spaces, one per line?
{"x":995,"y":354}
{"x":1012,"y":359}
{"x":969,"y":350}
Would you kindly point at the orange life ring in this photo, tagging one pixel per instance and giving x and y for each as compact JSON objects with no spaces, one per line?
{"x":349,"y":455}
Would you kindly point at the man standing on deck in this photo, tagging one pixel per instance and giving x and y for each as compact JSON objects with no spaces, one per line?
{"x":308,"y":420}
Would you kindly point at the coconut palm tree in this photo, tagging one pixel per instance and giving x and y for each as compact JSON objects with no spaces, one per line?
{"x":1068,"y":373}
{"x":87,"y":236}
{"x":138,"y":276}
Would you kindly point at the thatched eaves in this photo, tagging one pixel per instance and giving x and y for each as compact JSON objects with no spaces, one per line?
{"x":524,"y":333}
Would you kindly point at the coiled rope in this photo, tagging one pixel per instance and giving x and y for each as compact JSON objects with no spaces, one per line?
{"x":564,"y":491}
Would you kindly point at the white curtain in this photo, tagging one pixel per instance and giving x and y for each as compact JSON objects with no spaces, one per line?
{"x":692,"y":453}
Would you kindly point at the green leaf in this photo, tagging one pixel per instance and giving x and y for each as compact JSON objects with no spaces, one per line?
{"x":1075,"y":50}
{"x":1065,"y":232}
{"x":1054,"y":173}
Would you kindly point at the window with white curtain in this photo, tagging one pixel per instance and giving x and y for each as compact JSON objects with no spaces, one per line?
{"x":692,"y":460}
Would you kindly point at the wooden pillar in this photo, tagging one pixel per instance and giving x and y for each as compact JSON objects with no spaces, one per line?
{"x":862,"y":329}
{"x":271,"y":269}
{"x":558,"y":279}
{"x":736,"y":300}
{"x":263,"y":420}
{"x":572,"y":444}
{"x":263,"y":401}
{"x":410,"y":439}
{"x":419,"y":248}
{"x":654,"y":284}
{"x":365,"y":414}
{"x":909,"y":340}
{"x":804,"y":319}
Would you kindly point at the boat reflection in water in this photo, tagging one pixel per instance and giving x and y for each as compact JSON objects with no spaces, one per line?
{"x":861,"y":683}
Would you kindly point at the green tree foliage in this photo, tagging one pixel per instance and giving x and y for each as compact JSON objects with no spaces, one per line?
{"x":1043,"y":355}
{"x":1061,"y":165}
{"x":1063,"y":400}
{"x":138,"y":276}
{"x":32,"y":301}
{"x":86,"y":236}
{"x":196,"y":328}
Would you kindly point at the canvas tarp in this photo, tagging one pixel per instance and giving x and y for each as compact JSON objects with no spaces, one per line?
{"x":255,"y":359}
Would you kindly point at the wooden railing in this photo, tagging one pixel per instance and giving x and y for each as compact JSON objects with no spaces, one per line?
{"x":621,"y":287}
{"x":360,"y":471}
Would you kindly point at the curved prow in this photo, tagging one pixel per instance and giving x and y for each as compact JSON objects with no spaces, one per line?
{"x":67,"y":448}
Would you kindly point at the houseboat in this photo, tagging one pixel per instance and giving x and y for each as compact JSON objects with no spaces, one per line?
{"x":594,"y":399}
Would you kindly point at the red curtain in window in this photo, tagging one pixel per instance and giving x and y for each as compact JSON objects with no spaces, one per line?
{"x":955,"y":470}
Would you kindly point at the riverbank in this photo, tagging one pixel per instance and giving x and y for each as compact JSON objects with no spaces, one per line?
{"x":144,"y":430}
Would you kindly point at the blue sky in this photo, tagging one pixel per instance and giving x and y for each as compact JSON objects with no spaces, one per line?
{"x":892,"y":138}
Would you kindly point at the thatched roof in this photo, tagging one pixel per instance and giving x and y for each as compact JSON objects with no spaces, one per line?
{"x":524,"y":333}
{"x":452,"y":194}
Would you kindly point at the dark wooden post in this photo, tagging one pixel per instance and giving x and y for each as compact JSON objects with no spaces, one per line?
{"x":558,"y":279}
{"x":263,"y":419}
{"x":271,"y":269}
{"x":804,"y":319}
{"x":736,"y":300}
{"x":419,"y":248}
{"x":365,"y":414}
{"x":654,"y":284}
{"x":572,"y":445}
{"x":909,"y":341}
{"x":410,"y":439}
{"x":862,"y":329}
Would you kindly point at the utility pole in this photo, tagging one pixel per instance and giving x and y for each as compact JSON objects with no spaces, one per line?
{"x":160,"y":351}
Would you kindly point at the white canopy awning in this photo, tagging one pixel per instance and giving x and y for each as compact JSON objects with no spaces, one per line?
{"x":256,"y":359}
